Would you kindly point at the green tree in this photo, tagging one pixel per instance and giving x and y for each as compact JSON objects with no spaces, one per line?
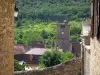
{"x":53,"y":9}
{"x":75,"y":30}
{"x":18,"y":67}
{"x":54,"y":57}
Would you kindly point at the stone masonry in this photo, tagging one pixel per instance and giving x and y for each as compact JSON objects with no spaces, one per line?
{"x":91,"y":53}
{"x":95,"y":39}
{"x":95,"y":57}
{"x":63,"y":36}
{"x":69,"y":68}
{"x":6,"y":37}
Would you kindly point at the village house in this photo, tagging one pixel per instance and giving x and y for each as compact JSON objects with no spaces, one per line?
{"x":29,"y":54}
{"x":91,"y":42}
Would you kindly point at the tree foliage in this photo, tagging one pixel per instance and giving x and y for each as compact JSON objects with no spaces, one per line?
{"x":39,"y":31}
{"x":44,"y":31}
{"x":53,"y":9}
{"x":54,"y":57}
{"x":75,"y":30}
{"x":18,"y":67}
{"x":36,"y":19}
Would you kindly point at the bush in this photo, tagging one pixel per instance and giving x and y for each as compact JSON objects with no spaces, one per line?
{"x":17,"y":66}
{"x":67,"y":56}
{"x":75,"y":31}
{"x":54,"y":57}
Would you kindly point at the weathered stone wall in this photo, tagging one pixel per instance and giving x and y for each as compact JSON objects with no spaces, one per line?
{"x":6,"y":37}
{"x":95,"y":57}
{"x":95,"y":39}
{"x":91,"y":59}
{"x":63,"y":36}
{"x":68,"y":68}
{"x":76,"y":49}
{"x":85,"y":59}
{"x":86,"y":64}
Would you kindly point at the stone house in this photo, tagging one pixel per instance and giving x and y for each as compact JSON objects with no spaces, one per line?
{"x":19,"y":49}
{"x":30,"y":57}
{"x":33,"y":52}
{"x":91,"y":42}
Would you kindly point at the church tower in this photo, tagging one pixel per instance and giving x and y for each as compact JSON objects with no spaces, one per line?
{"x":63,"y":36}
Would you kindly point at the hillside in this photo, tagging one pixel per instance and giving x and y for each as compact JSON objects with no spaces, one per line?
{"x":37,"y":19}
{"x":53,"y":9}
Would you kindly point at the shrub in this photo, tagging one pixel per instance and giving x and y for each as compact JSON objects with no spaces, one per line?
{"x":67,"y":56}
{"x":17,"y":66}
{"x":54,"y":57}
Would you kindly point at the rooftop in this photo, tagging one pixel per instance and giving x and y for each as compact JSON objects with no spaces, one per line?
{"x":36,"y":51}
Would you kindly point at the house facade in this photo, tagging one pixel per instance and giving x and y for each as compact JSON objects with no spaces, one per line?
{"x":95,"y":38}
{"x":91,"y":50}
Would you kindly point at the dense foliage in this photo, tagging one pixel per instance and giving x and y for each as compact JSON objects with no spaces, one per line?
{"x":53,"y":9}
{"x":44,"y":31}
{"x":17,"y":66}
{"x":75,"y":31}
{"x":40,"y":31}
{"x":36,"y":19}
{"x":54,"y":57}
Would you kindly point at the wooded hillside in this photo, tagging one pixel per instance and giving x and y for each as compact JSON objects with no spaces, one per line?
{"x":37,"y":19}
{"x":53,"y":9}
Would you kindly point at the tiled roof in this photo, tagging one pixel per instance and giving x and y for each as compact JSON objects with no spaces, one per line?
{"x":36,"y":51}
{"x":19,"y":49}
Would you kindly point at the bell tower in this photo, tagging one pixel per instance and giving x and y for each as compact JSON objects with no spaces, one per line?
{"x":63,"y":36}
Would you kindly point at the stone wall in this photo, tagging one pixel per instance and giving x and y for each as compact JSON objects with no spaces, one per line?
{"x":63,"y":36}
{"x":85,"y":59}
{"x":91,"y":58}
{"x":6,"y":37}
{"x":76,"y":49}
{"x":68,"y":68}
{"x":95,"y":39}
{"x":95,"y":57}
